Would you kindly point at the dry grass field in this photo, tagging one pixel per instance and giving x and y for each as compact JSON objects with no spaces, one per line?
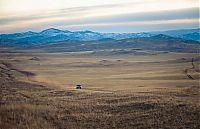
{"x":96,"y":73}
{"x":122,"y":92}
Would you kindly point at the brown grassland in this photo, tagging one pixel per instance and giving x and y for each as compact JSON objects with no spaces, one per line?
{"x":158,"y":91}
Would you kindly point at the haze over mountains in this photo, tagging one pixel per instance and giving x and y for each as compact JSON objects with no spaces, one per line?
{"x":55,"y":40}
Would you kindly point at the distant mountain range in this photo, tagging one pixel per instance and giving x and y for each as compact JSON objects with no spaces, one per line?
{"x":54,"y":35}
{"x":154,"y":43}
{"x":55,"y":40}
{"x":188,"y":34}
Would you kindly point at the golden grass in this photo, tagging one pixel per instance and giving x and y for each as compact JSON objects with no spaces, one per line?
{"x":111,"y":73}
{"x":134,"y":93}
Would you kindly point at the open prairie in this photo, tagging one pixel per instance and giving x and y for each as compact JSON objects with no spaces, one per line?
{"x":120,"y":91}
{"x":111,"y":73}
{"x":99,"y":64}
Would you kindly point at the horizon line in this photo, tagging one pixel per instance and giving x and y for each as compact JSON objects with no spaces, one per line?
{"x":96,"y":31}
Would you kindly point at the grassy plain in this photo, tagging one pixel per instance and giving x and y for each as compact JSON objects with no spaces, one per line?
{"x":122,"y":91}
{"x":111,"y":72}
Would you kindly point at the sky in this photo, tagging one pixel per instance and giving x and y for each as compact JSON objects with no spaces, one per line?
{"x":98,"y":15}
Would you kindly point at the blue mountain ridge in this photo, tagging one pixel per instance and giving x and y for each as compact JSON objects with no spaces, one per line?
{"x":55,"y":35}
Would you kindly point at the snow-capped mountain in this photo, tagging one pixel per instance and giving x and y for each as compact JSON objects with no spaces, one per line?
{"x":54,"y":32}
{"x":54,"y":35}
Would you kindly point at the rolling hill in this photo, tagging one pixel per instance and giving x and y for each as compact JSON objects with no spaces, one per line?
{"x":155,"y":43}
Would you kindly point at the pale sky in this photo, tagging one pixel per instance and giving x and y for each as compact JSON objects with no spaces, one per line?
{"x":98,"y":15}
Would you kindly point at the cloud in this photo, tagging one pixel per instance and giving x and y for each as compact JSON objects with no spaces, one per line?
{"x":134,"y":23}
{"x":141,"y":13}
{"x":55,"y":19}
